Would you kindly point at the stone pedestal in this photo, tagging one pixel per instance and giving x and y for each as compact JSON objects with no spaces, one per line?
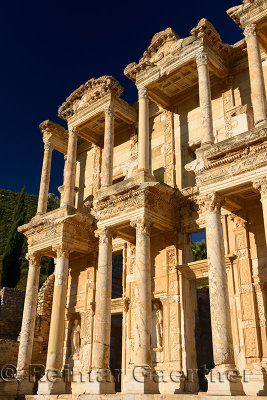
{"x":70,"y":169}
{"x":100,"y":377}
{"x":143,"y":130}
{"x":223,"y":353}
{"x":107,"y":160}
{"x":258,"y":93}
{"x":52,"y":382}
{"x":45,"y":177}
{"x":28,"y":325}
{"x":205,"y":98}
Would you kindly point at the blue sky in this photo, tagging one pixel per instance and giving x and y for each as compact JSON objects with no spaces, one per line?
{"x":49,"y":48}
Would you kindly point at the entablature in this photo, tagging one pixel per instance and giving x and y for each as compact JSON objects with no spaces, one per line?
{"x":55,"y":134}
{"x":64,"y":225}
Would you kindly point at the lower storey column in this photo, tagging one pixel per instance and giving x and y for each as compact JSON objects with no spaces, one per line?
{"x":101,"y":381}
{"x":224,"y":379}
{"x":53,"y":382}
{"x":261,"y":186}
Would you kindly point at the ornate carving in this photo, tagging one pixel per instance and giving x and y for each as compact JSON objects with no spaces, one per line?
{"x":109,"y":111}
{"x":34,"y":259}
{"x":142,"y":226}
{"x":48,"y":145}
{"x":75,"y":339}
{"x":142,"y":92}
{"x":133,"y":141}
{"x":73,"y":132}
{"x":250,"y":30}
{"x":97,"y":168}
{"x":90,"y":92}
{"x":211,"y":202}
{"x":261,"y":186}
{"x":104,"y":235}
{"x":157,"y":327}
{"x":62,"y":250}
{"x":202,"y":58}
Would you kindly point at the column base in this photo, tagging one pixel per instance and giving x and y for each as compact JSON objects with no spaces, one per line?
{"x":255,"y":382}
{"x":54,"y":385}
{"x":224,"y":380}
{"x":141,"y":380}
{"x":100,"y":382}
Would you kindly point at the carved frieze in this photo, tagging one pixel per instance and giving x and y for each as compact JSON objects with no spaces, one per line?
{"x":169,"y":153}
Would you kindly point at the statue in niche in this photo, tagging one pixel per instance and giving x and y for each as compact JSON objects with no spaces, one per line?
{"x":75,"y":339}
{"x":157,"y":327}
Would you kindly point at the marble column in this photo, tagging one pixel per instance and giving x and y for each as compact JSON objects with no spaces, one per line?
{"x":222,"y":340}
{"x":202,"y":61}
{"x":107,"y":159}
{"x":45,"y":177}
{"x":70,"y":169}
{"x":143,"y":130}
{"x":28,"y":322}
{"x":258,"y":93}
{"x":100,"y":379}
{"x":54,"y":384}
{"x":261,"y":186}
{"x":140,"y":381}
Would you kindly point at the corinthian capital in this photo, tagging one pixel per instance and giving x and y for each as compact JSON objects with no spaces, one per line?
{"x":211,"y":202}
{"x":104,"y":235}
{"x":202,"y":58}
{"x":142,"y":92}
{"x":261,"y":186}
{"x":109,"y":110}
{"x":142,"y":225}
{"x":62,"y":250}
{"x":73,"y":132}
{"x":34,"y":259}
{"x":250,"y":30}
{"x":47,"y":139}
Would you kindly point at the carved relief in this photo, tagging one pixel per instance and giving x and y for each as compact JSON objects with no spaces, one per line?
{"x":169,"y":175}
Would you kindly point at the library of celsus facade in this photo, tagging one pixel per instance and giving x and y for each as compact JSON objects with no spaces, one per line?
{"x":139,"y":180}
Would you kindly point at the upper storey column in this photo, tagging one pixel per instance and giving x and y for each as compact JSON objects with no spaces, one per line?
{"x":205,"y":98}
{"x":258,"y":94}
{"x":143,"y":130}
{"x":70,"y":169}
{"x":45,"y":177}
{"x":261,"y":185}
{"x":107,"y":160}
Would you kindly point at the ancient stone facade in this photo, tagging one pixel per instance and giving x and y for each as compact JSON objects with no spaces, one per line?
{"x":138,"y":181}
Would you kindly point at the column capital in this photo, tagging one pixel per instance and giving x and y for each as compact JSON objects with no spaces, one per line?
{"x":202,"y":58}
{"x":104,"y":234}
{"x":261,"y":186}
{"x":250,"y":30}
{"x":109,"y":110}
{"x":73,"y":132}
{"x":142,"y":225}
{"x":142,"y":92}
{"x":211,"y":202}
{"x":48,"y":145}
{"x":62,"y":250}
{"x":34,"y":259}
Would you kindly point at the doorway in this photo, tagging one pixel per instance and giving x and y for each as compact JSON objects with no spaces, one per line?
{"x":203,"y":333}
{"x":116,"y":349}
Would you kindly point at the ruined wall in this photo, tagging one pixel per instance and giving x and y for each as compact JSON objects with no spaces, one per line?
{"x":11,"y":310}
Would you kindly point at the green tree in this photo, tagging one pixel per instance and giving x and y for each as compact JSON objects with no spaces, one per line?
{"x":12,"y":253}
{"x":199,"y":250}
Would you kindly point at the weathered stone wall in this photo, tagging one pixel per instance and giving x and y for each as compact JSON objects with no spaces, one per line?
{"x":11,"y":310}
{"x":8,"y":352}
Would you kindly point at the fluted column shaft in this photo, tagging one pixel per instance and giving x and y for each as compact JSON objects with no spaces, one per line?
{"x":102,"y":319}
{"x":143,"y":301}
{"x":143,"y":130}
{"x":70,"y":169}
{"x":107,"y":160}
{"x":261,"y":185}
{"x":218,"y":286}
{"x":258,"y":93}
{"x":205,"y":98}
{"x":45,"y":177}
{"x":56,"y":332}
{"x":29,"y":315}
